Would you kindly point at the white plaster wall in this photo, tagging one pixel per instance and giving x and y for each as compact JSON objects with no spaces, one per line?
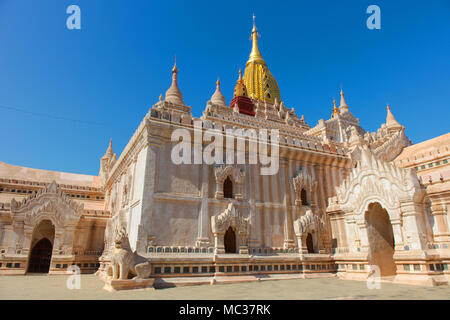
{"x":138,"y":194}
{"x":176,"y":223}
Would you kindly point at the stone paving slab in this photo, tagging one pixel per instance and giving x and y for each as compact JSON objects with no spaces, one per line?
{"x":54,"y":287}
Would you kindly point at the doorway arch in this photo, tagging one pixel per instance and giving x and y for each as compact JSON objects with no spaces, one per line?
{"x":230,"y":240}
{"x":40,"y":257}
{"x":381,"y":239}
{"x":310,"y":243}
{"x":41,"y":247}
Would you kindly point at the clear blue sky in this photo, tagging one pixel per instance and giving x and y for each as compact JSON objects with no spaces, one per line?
{"x":109,"y":73}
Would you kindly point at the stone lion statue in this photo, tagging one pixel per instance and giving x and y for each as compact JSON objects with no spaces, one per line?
{"x":125,"y":262}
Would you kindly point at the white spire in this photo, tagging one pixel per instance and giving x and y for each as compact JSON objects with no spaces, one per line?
{"x":391,"y":122}
{"x":343,"y":105}
{"x":173,"y":94}
{"x":217,"y":97}
{"x":109,"y":152}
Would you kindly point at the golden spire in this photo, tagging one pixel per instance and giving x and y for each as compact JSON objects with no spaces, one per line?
{"x":255,"y":55}
{"x":335,"y":109}
{"x":259,"y":82}
{"x":240,"y":89}
{"x":175,"y":69}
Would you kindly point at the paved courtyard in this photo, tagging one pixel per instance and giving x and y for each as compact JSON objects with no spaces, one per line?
{"x":54,"y":287}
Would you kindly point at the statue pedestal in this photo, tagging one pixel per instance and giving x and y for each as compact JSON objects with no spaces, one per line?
{"x":113,"y":285}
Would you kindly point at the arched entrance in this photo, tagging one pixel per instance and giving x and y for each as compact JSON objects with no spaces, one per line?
{"x":310,"y":243}
{"x":41,"y":247}
{"x":381,"y":239}
{"x":40,"y":257}
{"x":230,"y":241}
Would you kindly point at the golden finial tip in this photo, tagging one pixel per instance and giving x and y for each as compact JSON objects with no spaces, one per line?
{"x":175,"y":69}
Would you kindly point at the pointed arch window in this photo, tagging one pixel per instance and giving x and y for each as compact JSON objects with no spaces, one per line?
{"x":304,"y":197}
{"x":228,"y":188}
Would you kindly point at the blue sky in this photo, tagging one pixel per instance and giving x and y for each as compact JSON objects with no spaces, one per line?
{"x":97,"y":83}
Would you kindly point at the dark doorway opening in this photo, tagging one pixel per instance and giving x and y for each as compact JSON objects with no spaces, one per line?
{"x":303,"y":197}
{"x":228,"y":188}
{"x":40,"y":257}
{"x":230,"y":241}
{"x":310,"y":243}
{"x":381,"y":239}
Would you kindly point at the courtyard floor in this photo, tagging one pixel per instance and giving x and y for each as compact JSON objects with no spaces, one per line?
{"x":54,"y":287}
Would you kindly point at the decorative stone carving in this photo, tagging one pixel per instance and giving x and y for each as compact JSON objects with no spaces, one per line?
{"x":230,"y":218}
{"x":355,"y":138}
{"x":393,"y":146}
{"x":49,"y":203}
{"x":126,"y":189}
{"x":304,"y":181}
{"x":125,"y":262}
{"x":373,"y":178}
{"x":307,"y":223}
{"x":397,"y":190}
{"x":236,"y":175}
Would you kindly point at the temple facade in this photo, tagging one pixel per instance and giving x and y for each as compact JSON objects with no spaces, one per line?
{"x":343,"y":201}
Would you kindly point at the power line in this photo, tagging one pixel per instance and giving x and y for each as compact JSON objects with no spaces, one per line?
{"x":38,"y":114}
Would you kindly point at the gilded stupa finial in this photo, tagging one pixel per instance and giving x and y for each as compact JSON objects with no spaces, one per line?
{"x":175,"y":69}
{"x":335,"y":109}
{"x":240,"y":89}
{"x":255,"y":54}
{"x":259,"y":82}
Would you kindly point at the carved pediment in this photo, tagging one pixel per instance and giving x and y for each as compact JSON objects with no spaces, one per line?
{"x":50,"y":203}
{"x":375,"y":178}
{"x":306,"y":223}
{"x":224,"y":171}
{"x":303,"y":181}
{"x":230,"y":218}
